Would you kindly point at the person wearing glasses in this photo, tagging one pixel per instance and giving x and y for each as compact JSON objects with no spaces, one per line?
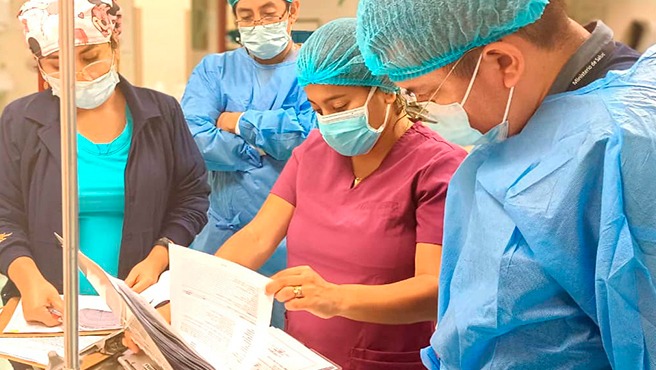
{"x":141,"y":179}
{"x":247,"y":113}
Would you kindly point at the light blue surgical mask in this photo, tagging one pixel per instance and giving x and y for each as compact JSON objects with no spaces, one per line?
{"x":89,"y":94}
{"x":349,"y":133}
{"x":452,"y":122}
{"x":266,"y":41}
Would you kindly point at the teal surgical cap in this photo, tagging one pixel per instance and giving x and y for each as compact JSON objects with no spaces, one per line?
{"x":234,"y":2}
{"x":407,"y":39}
{"x":330,"y":56}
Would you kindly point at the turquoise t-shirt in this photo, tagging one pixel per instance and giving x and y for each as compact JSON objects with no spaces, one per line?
{"x":101,"y":187}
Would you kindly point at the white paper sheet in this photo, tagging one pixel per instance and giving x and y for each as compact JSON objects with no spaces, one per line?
{"x":220,"y":308}
{"x":286,"y":353}
{"x":36,"y":349}
{"x":95,"y":315}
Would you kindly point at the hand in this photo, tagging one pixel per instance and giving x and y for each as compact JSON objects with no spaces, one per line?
{"x":42,"y":303}
{"x":317,"y":295}
{"x":165,"y":311}
{"x":146,"y":272}
{"x":228,"y":121}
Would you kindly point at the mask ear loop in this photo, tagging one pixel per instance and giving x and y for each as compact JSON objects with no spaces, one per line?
{"x":382,"y":127}
{"x":510,"y":98}
{"x":366,"y":103}
{"x":471,"y":82}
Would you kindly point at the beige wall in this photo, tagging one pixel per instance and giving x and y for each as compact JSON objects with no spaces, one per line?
{"x":621,"y":13}
{"x":327,"y":10}
{"x":164,"y":44}
{"x":617,"y":14}
{"x":16,"y":59}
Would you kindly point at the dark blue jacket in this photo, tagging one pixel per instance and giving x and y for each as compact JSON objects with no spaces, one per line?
{"x":166,"y":185}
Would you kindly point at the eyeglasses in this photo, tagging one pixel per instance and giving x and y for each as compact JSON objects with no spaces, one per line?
{"x":89,"y":73}
{"x":414,"y":109}
{"x":265,"y":22}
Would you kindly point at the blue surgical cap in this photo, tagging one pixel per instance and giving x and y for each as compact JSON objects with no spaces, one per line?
{"x":407,"y":39}
{"x":330,"y":56}
{"x":234,"y":2}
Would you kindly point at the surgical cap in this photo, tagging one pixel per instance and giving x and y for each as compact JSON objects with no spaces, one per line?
{"x":234,"y":2}
{"x":95,"y":23}
{"x":407,"y":39}
{"x":330,"y":56}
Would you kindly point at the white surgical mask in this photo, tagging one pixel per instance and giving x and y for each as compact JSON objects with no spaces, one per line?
{"x":265,"y":42}
{"x":452,"y":121}
{"x":89,"y":94}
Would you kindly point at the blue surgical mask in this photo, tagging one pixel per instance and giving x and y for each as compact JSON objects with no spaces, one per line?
{"x":452,"y":121}
{"x":349,"y":133}
{"x":89,"y":94}
{"x":267,"y":41}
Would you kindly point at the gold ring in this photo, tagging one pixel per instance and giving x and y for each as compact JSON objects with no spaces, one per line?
{"x":298,"y":291}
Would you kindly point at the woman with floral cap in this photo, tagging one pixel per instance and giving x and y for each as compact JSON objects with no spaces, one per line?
{"x":142,"y":181}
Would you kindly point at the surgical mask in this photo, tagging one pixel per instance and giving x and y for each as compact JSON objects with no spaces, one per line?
{"x":265,"y":42}
{"x":349,"y":133}
{"x":89,"y":94}
{"x":452,"y":121}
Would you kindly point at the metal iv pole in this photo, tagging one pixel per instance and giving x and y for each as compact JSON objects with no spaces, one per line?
{"x":70,"y":224}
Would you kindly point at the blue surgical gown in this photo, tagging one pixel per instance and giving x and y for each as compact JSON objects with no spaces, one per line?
{"x":549,"y":258}
{"x":277,"y":117}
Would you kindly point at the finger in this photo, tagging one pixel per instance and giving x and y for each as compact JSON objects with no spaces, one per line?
{"x":142,"y":284}
{"x":298,"y":270}
{"x":279,"y":283}
{"x":57,"y":303}
{"x":285,"y":295}
{"x":128,"y":342}
{"x":165,"y":311}
{"x":131,"y":279}
{"x":297,"y":305}
{"x":44,"y":316}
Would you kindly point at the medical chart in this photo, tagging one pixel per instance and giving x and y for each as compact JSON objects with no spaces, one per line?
{"x":94,"y":316}
{"x":220,"y":316}
{"x":36,"y":350}
{"x":148,"y":328}
{"x":285,"y":352}
{"x":219,"y":307}
{"x":222,"y":310}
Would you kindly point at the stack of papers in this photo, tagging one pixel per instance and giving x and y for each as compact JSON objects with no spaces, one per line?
{"x":35,"y":350}
{"x":220,"y":318}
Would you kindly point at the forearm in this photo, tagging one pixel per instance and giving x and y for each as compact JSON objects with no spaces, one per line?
{"x":277,"y":132}
{"x":405,"y":302}
{"x":246,"y":248}
{"x":24,"y":273}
